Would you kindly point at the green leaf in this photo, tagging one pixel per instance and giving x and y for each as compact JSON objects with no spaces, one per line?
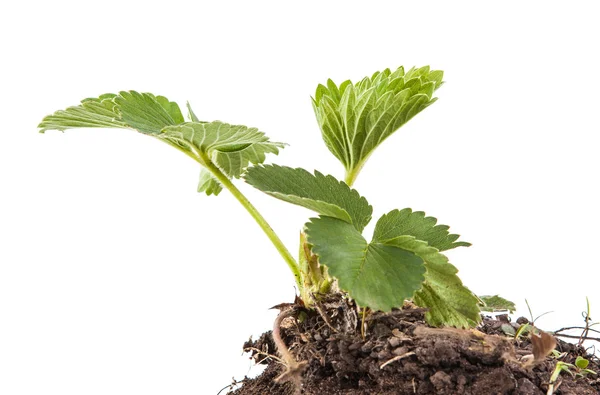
{"x":496,"y":303}
{"x":235,"y":163}
{"x":450,"y":303}
{"x":375,"y":275}
{"x":356,"y":118}
{"x":143,"y":112}
{"x":231,"y":147}
{"x":581,"y":362}
{"x":406,"y":222}
{"x":91,"y":113}
{"x":208,"y":183}
{"x":324,"y":194}
{"x":171,"y":108}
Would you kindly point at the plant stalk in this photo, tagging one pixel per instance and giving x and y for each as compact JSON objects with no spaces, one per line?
{"x":260,"y":220}
{"x":352,"y":173}
{"x":351,"y":176}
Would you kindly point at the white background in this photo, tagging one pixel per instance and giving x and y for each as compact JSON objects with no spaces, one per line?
{"x":116,"y":277}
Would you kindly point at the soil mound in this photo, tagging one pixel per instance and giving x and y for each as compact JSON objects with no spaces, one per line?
{"x":399,"y":354}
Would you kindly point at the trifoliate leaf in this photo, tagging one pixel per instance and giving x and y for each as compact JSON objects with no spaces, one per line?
{"x":143,"y":112}
{"x":356,"y":118}
{"x":324,"y":194}
{"x":406,"y":222}
{"x":208,"y":183}
{"x":496,"y":303}
{"x":231,"y":147}
{"x":375,"y":275}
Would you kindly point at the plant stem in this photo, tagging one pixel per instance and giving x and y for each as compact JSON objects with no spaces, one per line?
{"x":260,"y":220}
{"x":351,"y":176}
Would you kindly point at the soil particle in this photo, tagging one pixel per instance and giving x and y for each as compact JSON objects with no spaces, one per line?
{"x":401,"y":355}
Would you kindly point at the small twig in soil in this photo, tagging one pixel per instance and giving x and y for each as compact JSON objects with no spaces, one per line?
{"x":588,"y":324}
{"x":266,"y":354}
{"x":324,"y":316}
{"x":396,"y":358}
{"x":569,"y":328}
{"x":597,"y":339}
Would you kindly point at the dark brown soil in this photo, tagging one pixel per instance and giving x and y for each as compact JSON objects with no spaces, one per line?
{"x":400,"y":354}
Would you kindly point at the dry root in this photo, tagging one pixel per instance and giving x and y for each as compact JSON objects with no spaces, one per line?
{"x":294,"y":369}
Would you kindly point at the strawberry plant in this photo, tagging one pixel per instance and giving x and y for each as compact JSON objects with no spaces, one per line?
{"x":404,"y":259}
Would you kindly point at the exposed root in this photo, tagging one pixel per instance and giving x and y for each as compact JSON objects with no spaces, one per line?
{"x":294,"y":369}
{"x":231,"y":386}
{"x":396,"y":358}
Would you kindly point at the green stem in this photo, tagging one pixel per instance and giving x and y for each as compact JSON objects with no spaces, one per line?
{"x":353,"y":173}
{"x":285,"y":254}
{"x":351,"y":176}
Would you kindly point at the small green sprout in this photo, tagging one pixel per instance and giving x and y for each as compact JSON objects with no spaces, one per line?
{"x":529,"y":327}
{"x":404,"y":258}
{"x":581,"y":363}
{"x":578,"y":370}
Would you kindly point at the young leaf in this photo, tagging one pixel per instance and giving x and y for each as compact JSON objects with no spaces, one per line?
{"x":324,"y":194}
{"x":356,"y":118}
{"x":376,"y":275}
{"x":581,"y":362}
{"x":406,"y":222}
{"x":143,"y":112}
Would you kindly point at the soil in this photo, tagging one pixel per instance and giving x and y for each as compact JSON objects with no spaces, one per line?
{"x":400,"y":354}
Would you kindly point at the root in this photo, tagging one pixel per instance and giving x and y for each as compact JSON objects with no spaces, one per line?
{"x":396,"y":358}
{"x":294,"y":369}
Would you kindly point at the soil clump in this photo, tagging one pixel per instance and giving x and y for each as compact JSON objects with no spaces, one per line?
{"x":399,"y":354}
